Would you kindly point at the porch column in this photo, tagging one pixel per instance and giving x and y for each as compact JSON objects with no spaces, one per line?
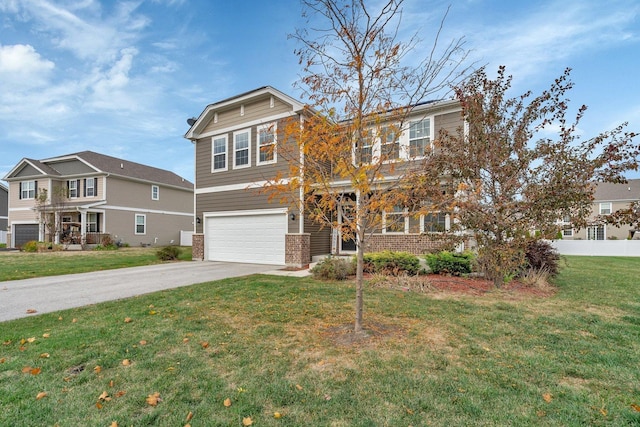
{"x":83,"y":226}
{"x":58,"y":223}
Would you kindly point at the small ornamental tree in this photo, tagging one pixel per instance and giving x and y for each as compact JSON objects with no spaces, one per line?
{"x":358,"y":78}
{"x":49,"y":207}
{"x":512,"y":181}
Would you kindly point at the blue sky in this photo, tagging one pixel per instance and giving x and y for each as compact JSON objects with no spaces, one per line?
{"x":122,"y":77}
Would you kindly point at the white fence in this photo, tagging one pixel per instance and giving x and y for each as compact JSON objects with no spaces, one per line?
{"x":598,"y":247}
{"x":3,"y":236}
{"x":185,"y":237}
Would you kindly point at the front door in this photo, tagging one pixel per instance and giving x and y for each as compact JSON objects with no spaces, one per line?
{"x":347,"y":214}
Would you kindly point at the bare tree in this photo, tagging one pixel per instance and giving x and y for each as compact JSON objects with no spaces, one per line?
{"x":50,"y":207}
{"x":362,"y":82}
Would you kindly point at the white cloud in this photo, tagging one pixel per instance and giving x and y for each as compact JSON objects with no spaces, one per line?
{"x":22,"y":67}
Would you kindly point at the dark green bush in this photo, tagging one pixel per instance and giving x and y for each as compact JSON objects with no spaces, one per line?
{"x":168,"y":253}
{"x":332,"y":268}
{"x":391,"y":263}
{"x":540,"y":255}
{"x":453,"y":263}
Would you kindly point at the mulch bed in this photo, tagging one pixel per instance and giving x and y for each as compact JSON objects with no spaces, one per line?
{"x":477,"y":286}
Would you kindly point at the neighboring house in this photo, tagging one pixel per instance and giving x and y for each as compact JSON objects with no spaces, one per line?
{"x":233,"y":158}
{"x":78,"y":198}
{"x":608,"y":199}
{"x":4,"y":212}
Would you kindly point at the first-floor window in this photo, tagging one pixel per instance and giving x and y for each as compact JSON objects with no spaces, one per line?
{"x":92,"y":222}
{"x":396,"y":221}
{"x":435,"y":222}
{"x":567,"y":231}
{"x":141,"y":224}
{"x":595,"y":232}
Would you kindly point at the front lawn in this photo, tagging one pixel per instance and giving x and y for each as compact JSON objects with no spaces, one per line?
{"x":246,"y":349}
{"x":24,"y":265}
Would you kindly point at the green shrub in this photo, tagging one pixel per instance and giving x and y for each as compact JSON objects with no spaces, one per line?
{"x":332,"y":268}
{"x":168,"y":253}
{"x":392,"y":263}
{"x":453,"y":263}
{"x":31,"y":246}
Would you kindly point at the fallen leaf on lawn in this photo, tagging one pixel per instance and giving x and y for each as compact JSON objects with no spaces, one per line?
{"x":152,"y":312}
{"x":635,"y":407}
{"x":541,"y":414}
{"x":30,"y":340}
{"x":126,"y":362}
{"x":120,"y":393}
{"x":97,"y":369}
{"x":185,"y":340}
{"x":60,"y":318}
{"x":41,"y":395}
{"x":26,"y":369}
{"x":298,"y":386}
{"x":98,"y":405}
{"x":74,"y":320}
{"x":45,"y":356}
{"x":8,"y":342}
{"x":143,"y":342}
{"x":3,"y":360}
{"x":603,"y":412}
{"x":327,"y":397}
{"x":548,"y":397}
{"x":128,"y":320}
{"x":35,"y":371}
{"x":277,"y":415}
{"x":204,"y":344}
{"x":104,"y":396}
{"x":153,"y":399}
{"x":31,"y":311}
{"x":46,"y":335}
{"x":247,"y":421}
{"x":114,"y":424}
{"x":227,"y":402}
{"x":111,"y":383}
{"x":189,"y":416}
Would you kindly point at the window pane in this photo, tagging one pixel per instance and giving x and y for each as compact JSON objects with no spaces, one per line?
{"x":219,"y":161}
{"x":419,"y":137}
{"x":242,"y":149}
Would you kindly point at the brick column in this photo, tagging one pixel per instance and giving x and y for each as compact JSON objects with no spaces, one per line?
{"x":297,"y":250}
{"x":197,"y":247}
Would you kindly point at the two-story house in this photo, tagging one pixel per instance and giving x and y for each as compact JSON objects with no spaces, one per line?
{"x":4,"y":212}
{"x":608,"y":198}
{"x":77,"y":198}
{"x":236,"y":152}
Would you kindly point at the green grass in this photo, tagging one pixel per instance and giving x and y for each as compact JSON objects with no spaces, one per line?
{"x":272,"y":344}
{"x":23,"y":265}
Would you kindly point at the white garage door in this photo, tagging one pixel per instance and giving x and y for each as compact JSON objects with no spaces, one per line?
{"x":246,"y":236}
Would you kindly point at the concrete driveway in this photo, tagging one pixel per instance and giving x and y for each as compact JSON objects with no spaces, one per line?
{"x":47,"y":294}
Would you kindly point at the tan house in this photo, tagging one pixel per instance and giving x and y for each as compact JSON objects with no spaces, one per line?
{"x":81,"y":197}
{"x":4,"y":212}
{"x":608,"y":198}
{"x":236,"y":151}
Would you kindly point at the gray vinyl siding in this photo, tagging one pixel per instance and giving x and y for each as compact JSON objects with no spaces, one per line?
{"x":237,"y":200}
{"x":206,"y":178}
{"x":161,"y":228}
{"x":72,"y":167}
{"x":126,"y":193}
{"x":320,"y":238}
{"x":4,"y":208}
{"x":253,"y":110}
{"x":449,"y":122}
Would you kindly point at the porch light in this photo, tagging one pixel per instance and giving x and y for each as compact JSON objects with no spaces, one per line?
{"x":292,"y":216}
{"x":198,"y":220}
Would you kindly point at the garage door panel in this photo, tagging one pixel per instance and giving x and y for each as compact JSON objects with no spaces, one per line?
{"x":24,"y":233}
{"x":255,"y":238}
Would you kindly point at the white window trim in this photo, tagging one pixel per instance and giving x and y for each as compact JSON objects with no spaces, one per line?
{"x":405,"y":214}
{"x":608,"y":206}
{"x":93,"y":187}
{"x":155,"y":192}
{"x":27,"y":191}
{"x":273,"y":127}
{"x":378,"y":144}
{"x":248,"y":132}
{"x":595,"y":228}
{"x":406,"y":136}
{"x":226,"y":153}
{"x":447,"y":224}
{"x":75,"y":188}
{"x":135,"y":225}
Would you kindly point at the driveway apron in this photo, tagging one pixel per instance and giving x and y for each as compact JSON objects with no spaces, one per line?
{"x":22,"y":298}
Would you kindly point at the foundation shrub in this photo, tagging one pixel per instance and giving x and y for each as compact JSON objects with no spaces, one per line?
{"x":392,"y":263}
{"x":168,"y":253}
{"x":332,"y":268}
{"x":450,"y":263}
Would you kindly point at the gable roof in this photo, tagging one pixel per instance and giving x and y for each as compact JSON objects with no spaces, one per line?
{"x":609,"y":192}
{"x":205,"y":117}
{"x":102,"y":163}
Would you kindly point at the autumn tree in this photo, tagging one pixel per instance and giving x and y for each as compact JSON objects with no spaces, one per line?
{"x":50,"y":207}
{"x":519,"y":166}
{"x":362,"y":82}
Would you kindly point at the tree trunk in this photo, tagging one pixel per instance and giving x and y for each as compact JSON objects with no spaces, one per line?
{"x":359,"y":285}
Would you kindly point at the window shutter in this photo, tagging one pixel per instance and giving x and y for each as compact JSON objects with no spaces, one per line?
{"x":84,"y":188}
{"x":78,"y":188}
{"x":20,"y":191}
{"x":35,"y":189}
{"x":95,"y":187}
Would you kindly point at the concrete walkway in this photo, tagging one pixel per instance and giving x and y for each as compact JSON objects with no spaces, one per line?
{"x":48,"y":294}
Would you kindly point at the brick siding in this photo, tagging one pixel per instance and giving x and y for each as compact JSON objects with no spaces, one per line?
{"x":297,"y":249}
{"x":197,"y":247}
{"x":416,"y":244}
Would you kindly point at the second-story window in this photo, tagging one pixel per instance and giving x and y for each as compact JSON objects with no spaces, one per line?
{"x":155,"y":192}
{"x":90,"y":187}
{"x":73,"y":187}
{"x":219,"y":153}
{"x":605,"y":208}
{"x":366,"y":147}
{"x":389,"y":143}
{"x":241,"y":149}
{"x":419,"y":137}
{"x":28,"y":189}
{"x":267,"y":144}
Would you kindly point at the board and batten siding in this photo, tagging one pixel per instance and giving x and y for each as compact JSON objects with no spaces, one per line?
{"x":253,"y":110}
